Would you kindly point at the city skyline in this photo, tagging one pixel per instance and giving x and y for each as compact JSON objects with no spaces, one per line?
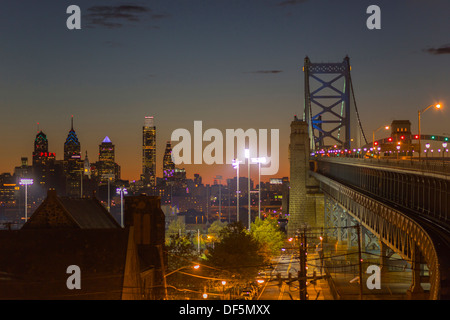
{"x":226,"y":150}
{"x":184,"y":62}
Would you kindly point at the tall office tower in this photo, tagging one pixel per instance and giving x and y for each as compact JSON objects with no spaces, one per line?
{"x":40,"y":144}
{"x":106,"y":160}
{"x":87,"y":166}
{"x":24,"y":171}
{"x":149,"y":153}
{"x":73,"y":164}
{"x":168,"y":164}
{"x":43,"y":161}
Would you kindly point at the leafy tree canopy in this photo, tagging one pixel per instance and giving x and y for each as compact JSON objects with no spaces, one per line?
{"x":237,"y":251}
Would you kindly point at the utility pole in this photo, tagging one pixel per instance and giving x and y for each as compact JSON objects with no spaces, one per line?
{"x":303,"y":294}
{"x":358,"y":230}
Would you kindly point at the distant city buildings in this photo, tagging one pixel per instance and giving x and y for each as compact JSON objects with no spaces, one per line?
{"x":77,"y":176}
{"x":168,"y":164}
{"x":149,"y":153}
{"x":73,"y":163}
{"x":106,"y":166}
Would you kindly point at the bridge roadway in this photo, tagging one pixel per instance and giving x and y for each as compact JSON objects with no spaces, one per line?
{"x":410,"y":201}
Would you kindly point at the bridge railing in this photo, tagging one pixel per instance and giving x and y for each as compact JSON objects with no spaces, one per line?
{"x":425,"y":166}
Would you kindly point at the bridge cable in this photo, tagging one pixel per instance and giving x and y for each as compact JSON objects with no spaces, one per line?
{"x":356,"y":108}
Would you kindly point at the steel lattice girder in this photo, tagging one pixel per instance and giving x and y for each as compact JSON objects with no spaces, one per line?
{"x":327,"y":114}
{"x":398,"y":231}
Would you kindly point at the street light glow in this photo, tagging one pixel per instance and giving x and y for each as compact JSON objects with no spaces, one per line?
{"x":259,"y":160}
{"x":26,"y":181}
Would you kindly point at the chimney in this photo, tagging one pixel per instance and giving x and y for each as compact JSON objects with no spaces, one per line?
{"x":145,"y":215}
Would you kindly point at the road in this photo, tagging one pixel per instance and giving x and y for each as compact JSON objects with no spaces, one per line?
{"x":289,"y":263}
{"x":285,"y":264}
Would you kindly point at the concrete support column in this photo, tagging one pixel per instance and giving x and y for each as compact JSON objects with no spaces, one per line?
{"x":415,"y":290}
{"x":383,"y":257}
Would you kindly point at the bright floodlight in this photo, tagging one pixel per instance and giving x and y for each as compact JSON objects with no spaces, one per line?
{"x":259,"y":160}
{"x":26,"y":181}
{"x":438,"y":106}
{"x":235,"y":163}
{"x":119,"y":190}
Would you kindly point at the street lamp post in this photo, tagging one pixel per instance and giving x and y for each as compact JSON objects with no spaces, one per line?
{"x":437,"y":106}
{"x":426,"y":151}
{"x":121,"y":191}
{"x":110,"y":177}
{"x":236,"y":163}
{"x":444,"y":147}
{"x":247,"y":155}
{"x":259,"y":161}
{"x":219,"y":178}
{"x":373,"y":134}
{"x":26,"y":183}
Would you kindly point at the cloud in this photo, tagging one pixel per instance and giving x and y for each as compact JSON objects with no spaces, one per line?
{"x":291,"y":2}
{"x":266,"y":71}
{"x":118,"y":16}
{"x":160,"y":16}
{"x":445,"y":49}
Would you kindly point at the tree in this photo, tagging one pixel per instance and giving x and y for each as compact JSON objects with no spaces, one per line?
{"x":177,"y":226}
{"x":268,"y":234}
{"x":181,"y":251}
{"x":214,"y":231}
{"x":237,"y":251}
{"x":181,"y":256}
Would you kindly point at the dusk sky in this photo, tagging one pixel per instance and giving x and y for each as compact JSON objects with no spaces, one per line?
{"x":229,"y":63}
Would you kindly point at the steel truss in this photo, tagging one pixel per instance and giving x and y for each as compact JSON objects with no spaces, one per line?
{"x":340,"y":226}
{"x":399,"y":232}
{"x":329,"y":120}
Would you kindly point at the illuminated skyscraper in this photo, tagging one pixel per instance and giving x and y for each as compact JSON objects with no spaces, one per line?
{"x":73,"y":164}
{"x":106,"y":160}
{"x":168,"y":164}
{"x":40,"y":144}
{"x":149,"y":153}
{"x":43,"y":161}
{"x":87,"y":166}
{"x":72,"y":147}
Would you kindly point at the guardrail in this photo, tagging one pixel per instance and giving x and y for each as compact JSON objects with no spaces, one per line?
{"x":424,"y":166}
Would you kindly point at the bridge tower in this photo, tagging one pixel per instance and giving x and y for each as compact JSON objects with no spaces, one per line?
{"x":306,"y":201}
{"x":328,"y":100}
